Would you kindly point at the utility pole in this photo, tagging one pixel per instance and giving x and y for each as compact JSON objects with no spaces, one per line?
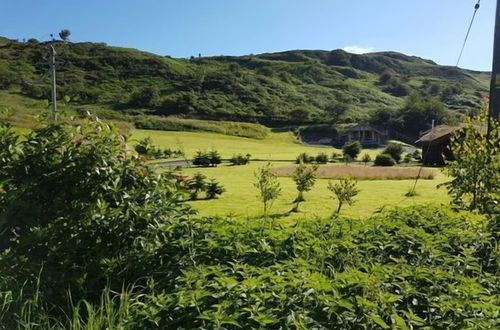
{"x":53,"y":77}
{"x":494,"y":111}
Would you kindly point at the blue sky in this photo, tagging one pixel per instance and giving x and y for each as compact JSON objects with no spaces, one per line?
{"x":181,"y":28}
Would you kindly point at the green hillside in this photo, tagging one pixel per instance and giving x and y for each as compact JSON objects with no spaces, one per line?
{"x":276,"y":89}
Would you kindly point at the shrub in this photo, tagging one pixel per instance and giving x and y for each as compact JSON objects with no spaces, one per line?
{"x":214,"y":158}
{"x":89,"y":209}
{"x":197,"y":184}
{"x":304,"y":158}
{"x":239,"y":159}
{"x":352,"y":149}
{"x":395,"y":150}
{"x":213,"y":189}
{"x":408,"y":158}
{"x":202,"y":159}
{"x":366,"y":159}
{"x":322,"y":158}
{"x":146,"y":148}
{"x":384,"y":160}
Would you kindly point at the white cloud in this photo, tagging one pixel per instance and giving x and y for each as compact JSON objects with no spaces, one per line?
{"x":358,"y":50}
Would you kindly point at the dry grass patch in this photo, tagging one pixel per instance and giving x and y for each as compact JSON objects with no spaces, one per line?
{"x":363,"y":172}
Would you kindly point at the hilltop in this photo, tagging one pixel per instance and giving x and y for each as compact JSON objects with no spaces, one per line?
{"x":276,"y":89}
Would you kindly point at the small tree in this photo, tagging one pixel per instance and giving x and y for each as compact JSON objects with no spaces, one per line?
{"x":395,"y":150}
{"x":201,"y":159}
{"x":352,"y":149}
{"x":214,"y":157}
{"x":366,"y":159}
{"x":197,"y":184}
{"x":344,"y":191}
{"x":268,"y":186}
{"x":213,"y":189}
{"x":64,"y":34}
{"x":476,"y":168}
{"x":305,"y":178}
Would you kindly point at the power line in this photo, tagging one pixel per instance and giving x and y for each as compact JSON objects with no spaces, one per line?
{"x":476,"y":8}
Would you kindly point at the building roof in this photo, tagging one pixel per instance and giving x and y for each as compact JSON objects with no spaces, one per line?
{"x":440,"y":131}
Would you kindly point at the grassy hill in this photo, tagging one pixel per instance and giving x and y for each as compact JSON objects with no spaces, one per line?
{"x":275,"y":89}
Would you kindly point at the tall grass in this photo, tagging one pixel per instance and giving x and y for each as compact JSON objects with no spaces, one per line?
{"x":363,"y":172}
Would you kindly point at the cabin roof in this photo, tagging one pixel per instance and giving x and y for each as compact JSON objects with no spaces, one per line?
{"x":439,"y":132}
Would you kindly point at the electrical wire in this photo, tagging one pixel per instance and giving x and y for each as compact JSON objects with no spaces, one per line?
{"x":476,"y":8}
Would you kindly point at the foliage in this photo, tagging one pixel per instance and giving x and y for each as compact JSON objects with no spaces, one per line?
{"x":322,"y":158}
{"x":352,"y":149}
{"x":64,"y":34}
{"x":197,"y":184}
{"x":475,"y":172}
{"x":77,"y":207}
{"x":344,"y":191}
{"x":146,"y":148}
{"x":366,"y":159}
{"x":384,"y":160}
{"x":239,"y":159}
{"x":304,"y":158}
{"x":205,"y":159}
{"x":213,"y":189}
{"x":268,"y":186}
{"x":304,"y":177}
{"x":395,"y":150}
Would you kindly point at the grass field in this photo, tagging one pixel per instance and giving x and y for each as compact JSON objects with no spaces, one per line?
{"x":276,"y":146}
{"x":240,"y":198}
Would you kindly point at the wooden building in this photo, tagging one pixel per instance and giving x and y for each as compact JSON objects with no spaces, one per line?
{"x":368,"y":136}
{"x":435,"y":144}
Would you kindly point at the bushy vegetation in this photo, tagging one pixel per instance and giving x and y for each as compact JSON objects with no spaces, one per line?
{"x":384,"y":160}
{"x":146,"y":148}
{"x":351,"y":149}
{"x":239,"y":159}
{"x":91,"y":237}
{"x":395,"y":150}
{"x":205,"y":159}
{"x":198,"y":183}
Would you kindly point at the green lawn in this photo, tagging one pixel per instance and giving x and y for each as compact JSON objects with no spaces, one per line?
{"x":277,"y":146}
{"x":241,"y":199}
{"x":241,"y":196}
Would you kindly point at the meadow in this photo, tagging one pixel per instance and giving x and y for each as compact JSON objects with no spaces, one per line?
{"x":281,"y":149}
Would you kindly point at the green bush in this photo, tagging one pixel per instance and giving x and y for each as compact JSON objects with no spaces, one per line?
{"x":384,"y":160}
{"x":322,"y":158}
{"x":240,"y":159}
{"x":395,"y":150}
{"x":304,"y":158}
{"x":352,"y":149}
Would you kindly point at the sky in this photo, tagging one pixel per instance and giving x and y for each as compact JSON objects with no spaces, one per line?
{"x":180,"y":28}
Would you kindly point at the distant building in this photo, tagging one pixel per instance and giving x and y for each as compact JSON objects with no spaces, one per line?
{"x":435,"y":144}
{"x":368,"y":136}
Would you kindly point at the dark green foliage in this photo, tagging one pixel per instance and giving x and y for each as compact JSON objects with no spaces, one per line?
{"x":147,"y":97}
{"x":352,"y":149}
{"x":76,"y":207}
{"x":304,"y":177}
{"x":239,"y":159}
{"x":384,"y":160}
{"x":305,"y":158}
{"x":395,"y":150}
{"x":366,"y":159}
{"x":146,"y":148}
{"x":205,"y":159}
{"x":213,"y":189}
{"x":322,"y":158}
{"x":197,"y":184}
